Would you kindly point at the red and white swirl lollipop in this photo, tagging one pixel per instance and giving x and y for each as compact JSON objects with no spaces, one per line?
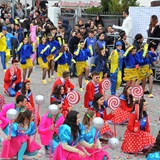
{"x":106,"y":84}
{"x":113,"y":102}
{"x":73,"y":97}
{"x":137,"y":92}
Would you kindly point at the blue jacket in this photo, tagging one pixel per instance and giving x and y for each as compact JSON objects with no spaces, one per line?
{"x":92,"y":42}
{"x":152,"y":57}
{"x":65,"y":58}
{"x":9,"y":37}
{"x":130,"y":61}
{"x":20,"y":35}
{"x":83,"y":55}
{"x":45,"y":54}
{"x":141,"y":60}
{"x":101,"y":44}
{"x":55,"y":44}
{"x":99,"y":66}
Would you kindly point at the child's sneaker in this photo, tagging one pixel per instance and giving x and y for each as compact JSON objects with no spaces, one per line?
{"x":150,"y":96}
{"x":44,"y":81}
{"x":81,"y":89}
{"x":52,"y":76}
{"x":86,"y":81}
{"x":49,"y":79}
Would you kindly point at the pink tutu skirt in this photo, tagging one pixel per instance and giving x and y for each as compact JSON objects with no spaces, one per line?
{"x":15,"y":145}
{"x":60,"y":153}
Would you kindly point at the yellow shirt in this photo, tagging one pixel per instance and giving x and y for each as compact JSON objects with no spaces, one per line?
{"x":3,"y":43}
{"x":114,"y":57}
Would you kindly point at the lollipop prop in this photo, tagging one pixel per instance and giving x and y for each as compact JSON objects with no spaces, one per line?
{"x":113,"y":103}
{"x":53,"y":109}
{"x":137,"y":92}
{"x":73,"y":97}
{"x":113,"y":144}
{"x":39,"y":100}
{"x":106,"y":84}
{"x":11,"y":115}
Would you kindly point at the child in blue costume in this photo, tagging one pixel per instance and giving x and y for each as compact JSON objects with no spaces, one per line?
{"x":100,"y":64}
{"x":43,"y":52}
{"x":130,"y":71}
{"x":81,"y":56}
{"x":73,"y":144}
{"x":63,"y":58}
{"x":89,"y":135}
{"x":54,"y":47}
{"x":154,"y":152}
{"x":25,"y":50}
{"x":116,"y":67}
{"x":20,"y":143}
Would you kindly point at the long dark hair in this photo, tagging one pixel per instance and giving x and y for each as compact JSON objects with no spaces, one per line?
{"x":23,"y":89}
{"x":102,"y":57}
{"x":57,"y":91}
{"x":22,"y":115}
{"x":71,"y":120}
{"x":156,"y":147}
{"x":96,"y":98}
{"x":141,"y":104}
{"x":129,"y":98}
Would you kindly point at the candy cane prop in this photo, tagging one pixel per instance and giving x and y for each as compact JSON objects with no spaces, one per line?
{"x":113,"y":103}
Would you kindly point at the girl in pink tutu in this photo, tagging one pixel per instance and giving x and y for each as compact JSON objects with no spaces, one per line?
{"x":89,"y":136}
{"x":137,"y":136}
{"x":20,"y":143}
{"x":122,"y":113}
{"x":72,"y":138}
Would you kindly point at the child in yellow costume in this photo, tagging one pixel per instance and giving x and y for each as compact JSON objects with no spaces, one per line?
{"x":116,"y":58}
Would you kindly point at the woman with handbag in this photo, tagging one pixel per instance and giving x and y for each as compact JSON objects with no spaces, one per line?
{"x":137,"y":137}
{"x":71,"y":137}
{"x":20,"y":144}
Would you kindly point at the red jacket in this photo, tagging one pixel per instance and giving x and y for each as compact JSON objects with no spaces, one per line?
{"x":31,"y":101}
{"x":7,"y":78}
{"x":89,"y":95}
{"x":67,"y":85}
{"x":123,"y":105}
{"x":131,"y":124}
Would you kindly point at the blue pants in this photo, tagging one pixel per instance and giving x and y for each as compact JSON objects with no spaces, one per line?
{"x":12,"y":91}
{"x":113,"y":77}
{"x":54,"y":145}
{"x":3,"y":59}
{"x":23,"y":152}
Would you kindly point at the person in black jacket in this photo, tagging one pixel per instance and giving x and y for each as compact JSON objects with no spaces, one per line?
{"x":138,"y":41}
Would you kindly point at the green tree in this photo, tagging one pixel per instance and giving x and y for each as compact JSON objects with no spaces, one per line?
{"x":105,"y":5}
{"x":127,"y":3}
{"x":115,"y":6}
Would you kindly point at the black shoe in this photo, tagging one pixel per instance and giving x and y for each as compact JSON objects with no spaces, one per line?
{"x":146,"y":92}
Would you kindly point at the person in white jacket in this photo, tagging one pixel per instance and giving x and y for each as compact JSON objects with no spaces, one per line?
{"x":126,"y":25}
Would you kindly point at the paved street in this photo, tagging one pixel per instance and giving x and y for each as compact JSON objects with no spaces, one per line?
{"x":38,"y":88}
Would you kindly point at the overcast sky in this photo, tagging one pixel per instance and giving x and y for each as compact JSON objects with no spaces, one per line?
{"x":145,"y":2}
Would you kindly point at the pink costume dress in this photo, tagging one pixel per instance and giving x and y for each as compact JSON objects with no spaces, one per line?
{"x":19,"y":136}
{"x":44,"y":130}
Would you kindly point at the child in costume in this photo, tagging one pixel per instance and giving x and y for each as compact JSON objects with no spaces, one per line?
{"x":65,"y":82}
{"x":116,"y":67}
{"x":26,"y":91}
{"x":89,"y":135}
{"x":154,"y":152}
{"x":123,"y":112}
{"x":81,"y":55}
{"x":72,"y":138}
{"x":54,"y":47}
{"x":43,"y":52}
{"x":59,"y":96}
{"x":12,"y":79}
{"x":100,"y":111}
{"x":130,"y":71}
{"x":92,"y":88}
{"x":48,"y":129}
{"x":137,"y":136}
{"x":63,"y":58}
{"x":25,"y":50}
{"x":20,"y":142}
{"x":19,"y":105}
{"x":100,"y":64}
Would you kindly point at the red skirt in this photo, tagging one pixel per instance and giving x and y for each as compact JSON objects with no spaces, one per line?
{"x":121,"y":116}
{"x":136,"y":142}
{"x":106,"y":130}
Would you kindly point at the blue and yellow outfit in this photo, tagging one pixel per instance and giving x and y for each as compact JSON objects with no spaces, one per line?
{"x":3,"y":47}
{"x":43,"y":52}
{"x":64,"y":61}
{"x":25,"y":55}
{"x":131,"y":73}
{"x":81,"y":56}
{"x":101,"y":44}
{"x":116,"y":70}
{"x":54,"y":47}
